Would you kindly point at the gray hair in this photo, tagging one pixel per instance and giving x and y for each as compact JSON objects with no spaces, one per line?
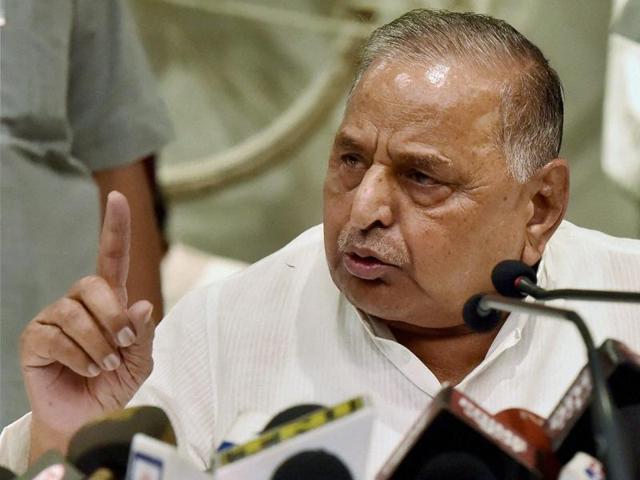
{"x":531,"y":105}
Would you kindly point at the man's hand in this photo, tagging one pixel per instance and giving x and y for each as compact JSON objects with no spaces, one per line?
{"x":87,"y":354}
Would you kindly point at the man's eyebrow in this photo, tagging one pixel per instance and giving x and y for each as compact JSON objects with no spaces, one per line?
{"x":427,"y":159}
{"x":347,"y":141}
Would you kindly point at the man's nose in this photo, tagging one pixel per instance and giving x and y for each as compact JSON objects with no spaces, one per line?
{"x":373,"y":199}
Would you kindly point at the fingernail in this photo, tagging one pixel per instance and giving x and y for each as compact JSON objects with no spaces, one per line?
{"x":112,"y":194}
{"x":94,"y":370}
{"x":111,"y":361}
{"x":125,"y":337}
{"x":148,"y":315}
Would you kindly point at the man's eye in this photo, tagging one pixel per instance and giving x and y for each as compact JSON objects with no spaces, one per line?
{"x":350,"y":160}
{"x":419,"y":177}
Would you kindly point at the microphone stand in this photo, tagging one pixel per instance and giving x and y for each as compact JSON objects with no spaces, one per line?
{"x":525,"y":285}
{"x":609,"y":441}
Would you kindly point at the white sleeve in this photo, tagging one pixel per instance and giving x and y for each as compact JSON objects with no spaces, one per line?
{"x":114,"y":111}
{"x":14,"y":445}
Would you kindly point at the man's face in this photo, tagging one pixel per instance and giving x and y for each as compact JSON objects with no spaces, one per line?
{"x":418,"y":205}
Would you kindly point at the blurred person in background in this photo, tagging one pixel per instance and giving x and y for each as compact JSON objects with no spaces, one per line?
{"x":621,"y":126}
{"x":80,"y":117}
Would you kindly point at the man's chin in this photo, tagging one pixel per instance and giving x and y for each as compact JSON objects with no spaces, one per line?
{"x":375,"y":298}
{"x":380,"y":297}
{"x":391,"y":305}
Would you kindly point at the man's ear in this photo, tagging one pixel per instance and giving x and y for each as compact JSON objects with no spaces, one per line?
{"x":548,"y":204}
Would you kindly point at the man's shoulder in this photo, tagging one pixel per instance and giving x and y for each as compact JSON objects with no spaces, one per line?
{"x":281,"y":272}
{"x":591,"y":259}
{"x":270,"y":288}
{"x":570,"y":236}
{"x":300,"y":252}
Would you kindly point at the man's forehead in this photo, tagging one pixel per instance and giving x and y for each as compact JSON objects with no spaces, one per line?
{"x":398,"y":95}
{"x":423,"y":113}
{"x":406,"y":73}
{"x":433,"y":73}
{"x":414,"y":91}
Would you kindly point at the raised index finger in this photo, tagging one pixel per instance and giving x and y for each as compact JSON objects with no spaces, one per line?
{"x":115,"y":239}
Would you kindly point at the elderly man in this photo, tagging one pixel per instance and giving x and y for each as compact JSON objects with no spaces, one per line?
{"x":446,"y":162}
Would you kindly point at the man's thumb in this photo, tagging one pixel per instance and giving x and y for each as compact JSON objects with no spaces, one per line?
{"x":140,"y":315}
{"x":138,"y":356}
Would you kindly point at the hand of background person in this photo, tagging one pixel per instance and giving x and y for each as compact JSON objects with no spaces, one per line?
{"x":87,"y":354}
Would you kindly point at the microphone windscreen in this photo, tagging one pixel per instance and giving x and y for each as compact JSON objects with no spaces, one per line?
{"x":630,"y":420}
{"x":105,"y":442}
{"x":570,"y":424}
{"x":455,"y":466}
{"x":6,"y":474}
{"x":312,"y":465}
{"x":504,"y":277}
{"x":291,"y":413}
{"x":475,"y":320}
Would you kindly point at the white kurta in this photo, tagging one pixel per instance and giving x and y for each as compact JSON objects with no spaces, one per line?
{"x":280,"y":333}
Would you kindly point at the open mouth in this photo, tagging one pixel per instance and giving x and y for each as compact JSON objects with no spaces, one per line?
{"x":366,"y":268}
{"x":365,"y":260}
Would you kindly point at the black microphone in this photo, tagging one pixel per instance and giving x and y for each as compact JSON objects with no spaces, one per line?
{"x":6,"y":474}
{"x":569,"y":425}
{"x":478,"y":316}
{"x":513,"y":278}
{"x":312,"y":465}
{"x":453,"y":424}
{"x":610,"y":445}
{"x":456,"y":466}
{"x":105,"y":442}
{"x":290,"y":414}
{"x":244,"y":430}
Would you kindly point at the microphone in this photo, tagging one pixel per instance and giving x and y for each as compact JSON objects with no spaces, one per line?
{"x":150,"y":458}
{"x":342,"y":431}
{"x":308,"y":464}
{"x":246,"y":426}
{"x":6,"y":474}
{"x":105,"y":442}
{"x":513,"y":278}
{"x":291,"y":413}
{"x":570,"y":423}
{"x":453,"y":426}
{"x":455,"y":465}
{"x":582,"y":467}
{"x":610,"y":445}
{"x":478,"y":316}
{"x":527,"y":424}
{"x":250,"y":424}
{"x":312,"y":465}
